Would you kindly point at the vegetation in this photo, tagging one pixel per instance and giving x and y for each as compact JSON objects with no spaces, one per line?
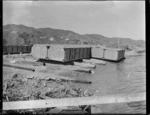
{"x":23,"y":35}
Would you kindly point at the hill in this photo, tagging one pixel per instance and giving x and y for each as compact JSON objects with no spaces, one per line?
{"x":23,"y":35}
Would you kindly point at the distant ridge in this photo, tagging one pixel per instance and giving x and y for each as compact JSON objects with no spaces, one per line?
{"x":22,"y":35}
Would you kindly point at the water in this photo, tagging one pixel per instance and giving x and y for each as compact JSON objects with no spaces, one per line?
{"x":125,"y":77}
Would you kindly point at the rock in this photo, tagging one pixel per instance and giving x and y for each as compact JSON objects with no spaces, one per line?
{"x":14,"y":76}
{"x":86,"y":93}
{"x":95,"y":110}
{"x":4,"y":88}
{"x":80,"y":92}
{"x":73,"y":92}
{"x":54,"y":111}
{"x":12,"y":61}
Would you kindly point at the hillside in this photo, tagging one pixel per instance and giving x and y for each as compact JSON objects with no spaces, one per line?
{"x":23,"y":35}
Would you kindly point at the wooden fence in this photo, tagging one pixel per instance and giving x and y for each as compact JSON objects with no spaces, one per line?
{"x":16,"y":49}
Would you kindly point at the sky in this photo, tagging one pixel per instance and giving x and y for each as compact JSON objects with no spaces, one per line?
{"x":109,"y":18}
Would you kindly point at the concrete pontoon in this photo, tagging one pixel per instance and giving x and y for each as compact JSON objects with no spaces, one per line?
{"x":111,"y":54}
{"x":61,"y":53}
{"x":66,"y":53}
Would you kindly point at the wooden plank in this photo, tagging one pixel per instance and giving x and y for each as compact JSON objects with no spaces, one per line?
{"x":93,"y":100}
{"x":88,"y":65}
{"x":94,"y":61}
{"x":4,"y":49}
{"x":28,"y":49}
{"x":67,"y":53}
{"x":77,"y":53}
{"x":18,"y":67}
{"x":19,"y":49}
{"x":88,"y":52}
{"x":23,"y":49}
{"x":77,"y":68}
{"x":15,"y":49}
{"x":82,"y":53}
{"x":9,"y":49}
{"x":48,"y":76}
{"x":72,"y":54}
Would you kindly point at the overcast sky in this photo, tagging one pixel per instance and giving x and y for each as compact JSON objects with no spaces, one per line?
{"x":108,"y":18}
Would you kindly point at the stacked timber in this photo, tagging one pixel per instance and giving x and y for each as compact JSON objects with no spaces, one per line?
{"x":61,"y":52}
{"x":107,"y":53}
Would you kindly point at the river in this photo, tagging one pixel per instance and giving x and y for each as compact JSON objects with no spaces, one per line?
{"x":125,"y":77}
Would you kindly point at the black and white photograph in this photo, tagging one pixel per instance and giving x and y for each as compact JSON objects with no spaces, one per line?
{"x":74,"y":57}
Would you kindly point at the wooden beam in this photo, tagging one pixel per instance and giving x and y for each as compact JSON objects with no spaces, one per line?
{"x":94,"y":61}
{"x":47,"y":76}
{"x":32,"y":104}
{"x":88,"y":65}
{"x":18,"y":67}
{"x":77,"y":68}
